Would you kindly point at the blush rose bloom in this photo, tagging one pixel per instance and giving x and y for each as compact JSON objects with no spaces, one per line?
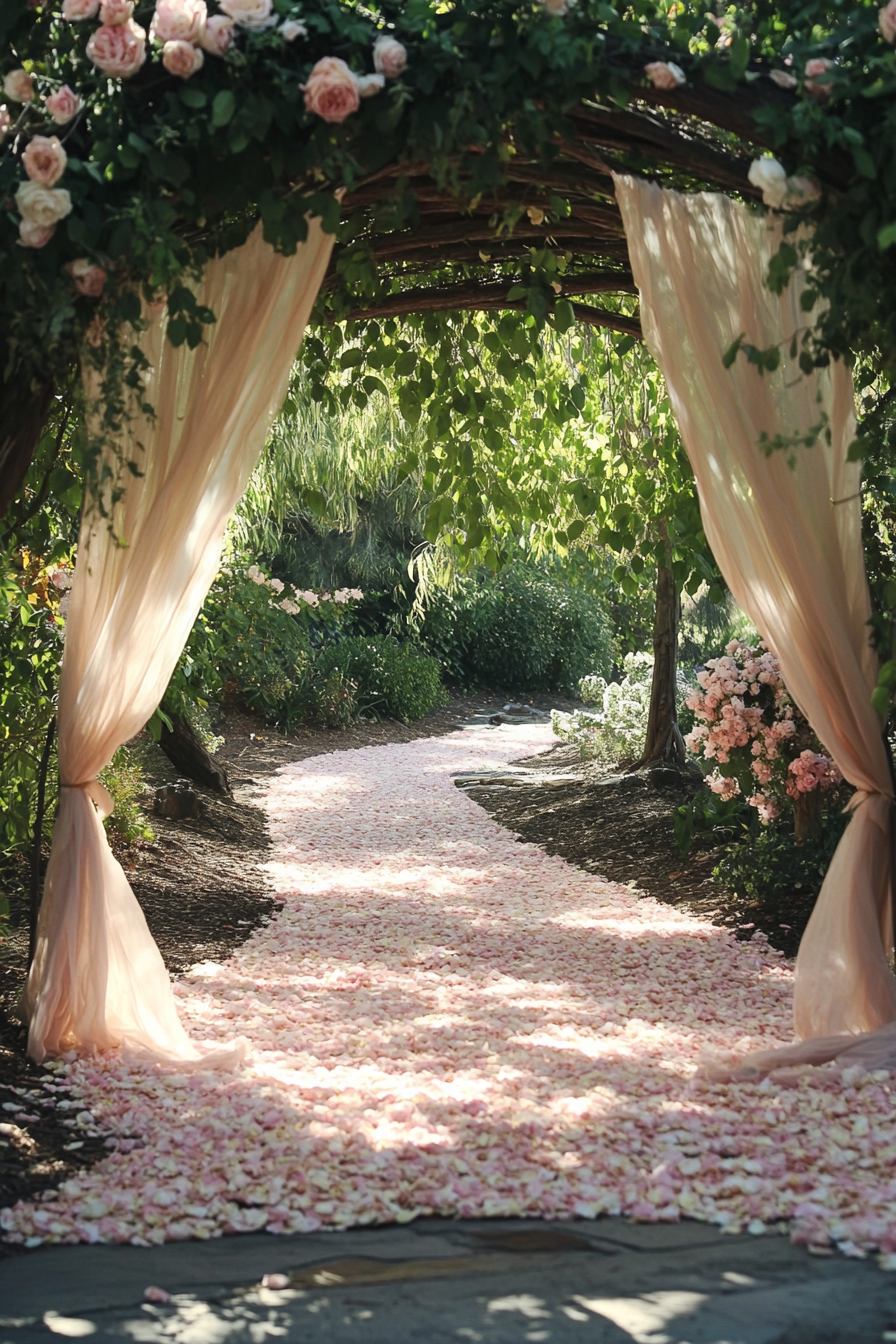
{"x":42,"y":205}
{"x":44,"y":160}
{"x":814,"y":68}
{"x":559,"y":8}
{"x":665,"y":74}
{"x":332,"y":90}
{"x":389,"y":57}
{"x":63,"y":105}
{"x":118,"y":50}
{"x":88,"y":278}
{"x":255,"y":15}
{"x":782,"y":79}
{"x":113,"y":12}
{"x":18,"y":86}
{"x":35,"y":235}
{"x":218,"y":35}
{"x":182,"y":59}
{"x":887,"y":19}
{"x":73,"y":11}
{"x":292,"y":29}
{"x":5,"y":122}
{"x":178,"y":21}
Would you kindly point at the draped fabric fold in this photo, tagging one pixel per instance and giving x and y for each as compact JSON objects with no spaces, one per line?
{"x":785,"y":529}
{"x":98,"y":980}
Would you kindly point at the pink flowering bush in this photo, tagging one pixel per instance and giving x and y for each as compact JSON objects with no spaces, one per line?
{"x":749,"y":730}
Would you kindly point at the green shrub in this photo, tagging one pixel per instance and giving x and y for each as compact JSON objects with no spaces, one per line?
{"x":522,"y":631}
{"x":772,"y":863}
{"x":392,"y":680}
{"x":123,"y":778}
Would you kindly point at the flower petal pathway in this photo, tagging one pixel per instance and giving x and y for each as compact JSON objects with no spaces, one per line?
{"x":445,"y":1020}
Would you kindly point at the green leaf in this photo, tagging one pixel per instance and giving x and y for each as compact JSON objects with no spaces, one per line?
{"x":886,"y":237}
{"x":192,"y":97}
{"x":223,"y":107}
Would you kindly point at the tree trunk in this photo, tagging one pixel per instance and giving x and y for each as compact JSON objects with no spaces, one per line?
{"x":664,"y":741}
{"x":189,"y":757}
{"x":23,"y":410}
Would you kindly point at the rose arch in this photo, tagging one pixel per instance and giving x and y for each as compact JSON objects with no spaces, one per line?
{"x":187,"y":185}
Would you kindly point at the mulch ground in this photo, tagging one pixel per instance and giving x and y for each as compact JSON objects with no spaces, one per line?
{"x":203,"y":892}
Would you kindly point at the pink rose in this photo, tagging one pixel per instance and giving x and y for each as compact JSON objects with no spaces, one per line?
{"x":44,"y":160}
{"x":88,"y":278}
{"x":118,"y":50}
{"x":35,"y":235}
{"x":559,"y":8}
{"x":389,"y":57}
{"x":73,"y":11}
{"x":113,"y":12}
{"x":178,"y":21}
{"x":814,"y":68}
{"x":255,"y":15}
{"x":18,"y":86}
{"x":182,"y":59}
{"x":664,"y":74}
{"x":218,"y":35}
{"x":887,"y":20}
{"x":63,"y":105}
{"x":5,"y":122}
{"x":332,"y":90}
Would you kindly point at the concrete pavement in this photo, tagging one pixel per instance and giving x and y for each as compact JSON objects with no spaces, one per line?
{"x":498,"y":1282}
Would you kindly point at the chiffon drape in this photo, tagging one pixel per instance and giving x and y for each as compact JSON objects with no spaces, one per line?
{"x":98,"y":980}
{"x":785,"y":529}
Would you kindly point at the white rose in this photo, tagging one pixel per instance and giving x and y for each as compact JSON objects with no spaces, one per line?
{"x":782,"y":79}
{"x":769,"y":176}
{"x":43,"y":205}
{"x":292,"y":29}
{"x":368,"y":85}
{"x":252,"y":14}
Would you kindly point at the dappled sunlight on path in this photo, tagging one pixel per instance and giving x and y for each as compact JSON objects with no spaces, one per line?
{"x":443,"y":1019}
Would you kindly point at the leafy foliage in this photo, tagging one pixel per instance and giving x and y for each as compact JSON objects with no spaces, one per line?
{"x":771,"y":863}
{"x":521,"y":630}
{"x":392,"y":680}
{"x":123,"y":778}
{"x":613,"y":730}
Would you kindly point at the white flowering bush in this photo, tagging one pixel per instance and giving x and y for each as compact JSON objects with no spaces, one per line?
{"x":617,"y":724}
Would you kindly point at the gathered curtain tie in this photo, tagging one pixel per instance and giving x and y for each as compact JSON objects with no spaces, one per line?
{"x":98,"y":794}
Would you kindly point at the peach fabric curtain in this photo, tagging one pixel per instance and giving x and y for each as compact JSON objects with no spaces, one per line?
{"x":788,"y":541}
{"x":98,"y":980}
